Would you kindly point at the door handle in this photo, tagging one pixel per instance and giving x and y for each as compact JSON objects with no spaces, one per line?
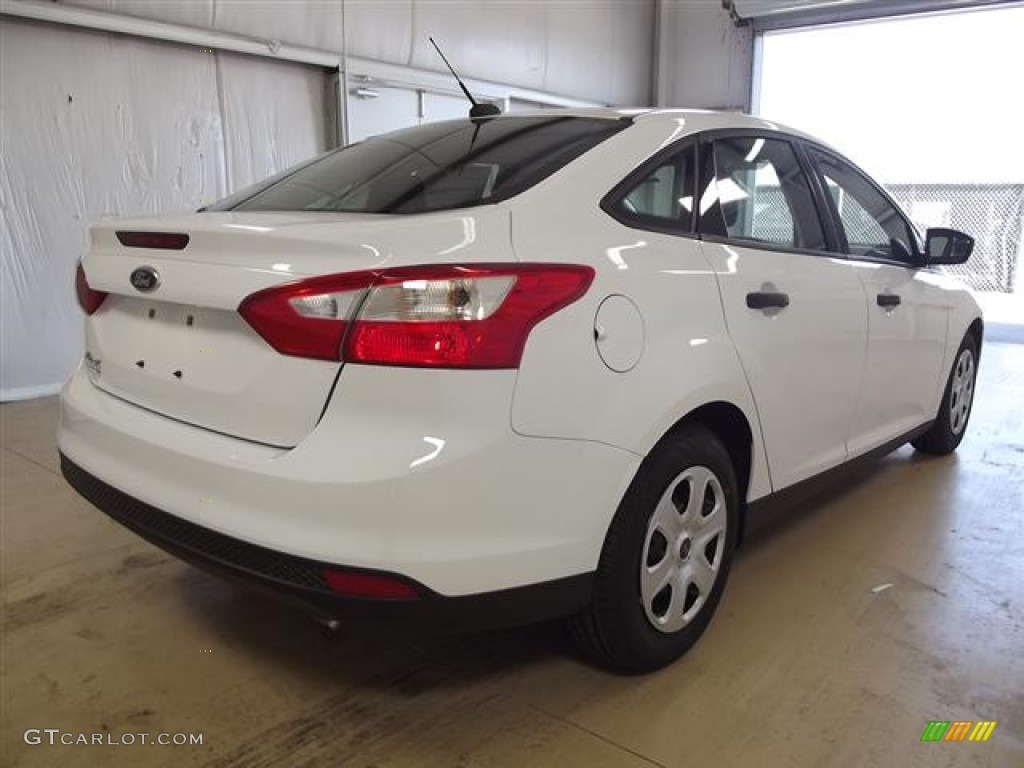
{"x":888,"y":300}
{"x":767,"y":300}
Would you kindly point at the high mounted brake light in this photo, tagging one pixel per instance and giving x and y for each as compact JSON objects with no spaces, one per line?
{"x":167,"y":241}
{"x":444,"y":316}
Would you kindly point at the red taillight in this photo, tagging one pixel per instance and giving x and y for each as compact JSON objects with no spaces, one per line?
{"x":307,"y":318}
{"x":88,"y":299}
{"x":469,"y":316}
{"x":360,"y":584}
{"x":168,"y":241}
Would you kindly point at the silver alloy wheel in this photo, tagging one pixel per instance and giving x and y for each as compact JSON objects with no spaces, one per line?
{"x":961,"y":393}
{"x":684,"y":549}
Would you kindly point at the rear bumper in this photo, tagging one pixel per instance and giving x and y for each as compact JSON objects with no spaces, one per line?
{"x":299,"y":580}
{"x":409,"y":472}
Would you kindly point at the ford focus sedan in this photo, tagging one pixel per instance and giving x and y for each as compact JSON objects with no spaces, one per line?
{"x":490,"y":371}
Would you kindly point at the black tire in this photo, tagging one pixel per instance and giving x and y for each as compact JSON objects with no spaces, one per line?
{"x":947,"y":430}
{"x":615,"y":631}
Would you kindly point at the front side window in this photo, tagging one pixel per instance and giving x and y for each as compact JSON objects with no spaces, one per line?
{"x":664,"y":196}
{"x":434,"y":167}
{"x":757,"y":191}
{"x":873,"y":226}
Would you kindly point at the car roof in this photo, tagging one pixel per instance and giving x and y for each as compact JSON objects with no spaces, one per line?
{"x":695,"y":119}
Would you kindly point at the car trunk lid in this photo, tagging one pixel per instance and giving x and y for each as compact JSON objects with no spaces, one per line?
{"x":180,"y":348}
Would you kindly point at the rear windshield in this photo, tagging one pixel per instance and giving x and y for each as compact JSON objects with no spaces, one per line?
{"x":435,"y":167}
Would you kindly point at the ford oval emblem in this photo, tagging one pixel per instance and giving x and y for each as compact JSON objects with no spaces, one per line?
{"x":145,"y":279}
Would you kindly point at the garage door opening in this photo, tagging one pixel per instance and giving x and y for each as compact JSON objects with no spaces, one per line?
{"x":927,"y":105}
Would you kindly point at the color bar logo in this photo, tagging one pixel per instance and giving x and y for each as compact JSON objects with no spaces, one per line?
{"x":958,"y":730}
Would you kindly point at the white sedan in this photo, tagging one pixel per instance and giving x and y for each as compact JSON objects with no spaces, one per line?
{"x":496,"y":370}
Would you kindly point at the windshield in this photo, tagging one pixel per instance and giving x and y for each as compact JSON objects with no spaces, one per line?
{"x":434,"y":167}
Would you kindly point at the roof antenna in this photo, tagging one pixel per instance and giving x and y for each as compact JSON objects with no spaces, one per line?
{"x":478,"y":110}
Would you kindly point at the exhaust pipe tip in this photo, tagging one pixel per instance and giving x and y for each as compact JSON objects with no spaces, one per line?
{"x":327,"y":623}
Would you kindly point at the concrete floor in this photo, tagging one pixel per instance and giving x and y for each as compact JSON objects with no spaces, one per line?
{"x":808,"y":663}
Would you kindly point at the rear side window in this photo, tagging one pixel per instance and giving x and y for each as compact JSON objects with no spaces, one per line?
{"x":662,"y":197}
{"x":435,"y":167}
{"x":758,"y":192}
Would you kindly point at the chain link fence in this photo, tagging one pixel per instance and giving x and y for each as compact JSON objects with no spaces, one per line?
{"x":991,"y":213}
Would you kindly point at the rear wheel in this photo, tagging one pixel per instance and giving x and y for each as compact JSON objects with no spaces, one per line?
{"x":666,"y":557}
{"x":950,"y":424}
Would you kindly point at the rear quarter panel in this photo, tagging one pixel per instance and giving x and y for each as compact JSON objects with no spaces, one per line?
{"x":564,"y":389}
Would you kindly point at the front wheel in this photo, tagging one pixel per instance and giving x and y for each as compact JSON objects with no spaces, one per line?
{"x":950,"y":424}
{"x":666,"y":557}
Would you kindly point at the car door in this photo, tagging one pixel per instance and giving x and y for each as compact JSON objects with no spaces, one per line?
{"x":796,"y":312}
{"x":907,"y":310}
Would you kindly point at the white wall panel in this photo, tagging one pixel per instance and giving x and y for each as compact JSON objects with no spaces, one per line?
{"x":496,"y":40}
{"x":705,"y":59}
{"x":632,"y":69}
{"x":441,"y":106}
{"x":193,"y":13}
{"x":585,"y":51}
{"x":302,"y":22}
{"x":273,"y":116}
{"x":393,"y":108}
{"x":312,"y":23}
{"x":144,"y":128}
{"x":588,"y":49}
{"x":381,"y":31}
{"x":609,"y":46}
{"x":396,"y":108}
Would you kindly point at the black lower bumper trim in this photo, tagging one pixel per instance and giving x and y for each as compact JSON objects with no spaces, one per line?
{"x":299,"y":579}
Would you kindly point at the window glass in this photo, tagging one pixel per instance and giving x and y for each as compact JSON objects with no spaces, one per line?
{"x":665,"y":195}
{"x":759,"y":192}
{"x":439,"y":166}
{"x":873,"y":226}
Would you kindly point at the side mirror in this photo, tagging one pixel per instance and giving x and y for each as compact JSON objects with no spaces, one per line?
{"x":947,"y":246}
